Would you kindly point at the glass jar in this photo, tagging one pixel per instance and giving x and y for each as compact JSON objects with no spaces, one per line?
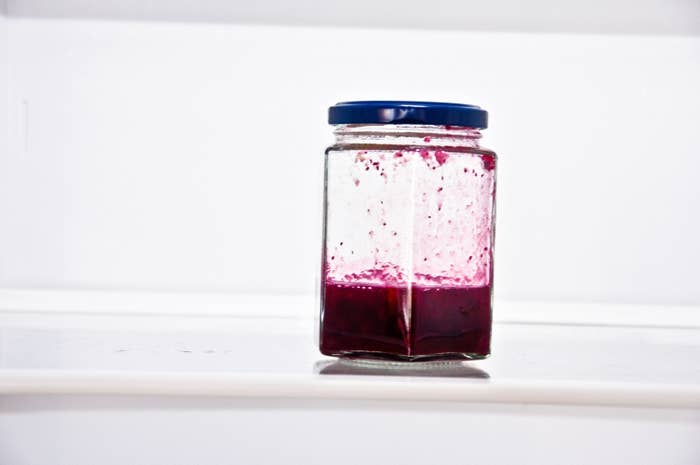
{"x":407,"y":267}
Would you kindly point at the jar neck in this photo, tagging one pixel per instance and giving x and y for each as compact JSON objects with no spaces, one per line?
{"x":413,"y":135}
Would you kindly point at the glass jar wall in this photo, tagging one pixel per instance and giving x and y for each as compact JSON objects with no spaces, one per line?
{"x":408,"y":236}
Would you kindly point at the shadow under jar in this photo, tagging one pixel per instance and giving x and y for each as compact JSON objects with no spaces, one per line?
{"x":409,"y":204}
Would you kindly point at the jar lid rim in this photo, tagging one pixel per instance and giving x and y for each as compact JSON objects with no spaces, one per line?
{"x":408,"y":112}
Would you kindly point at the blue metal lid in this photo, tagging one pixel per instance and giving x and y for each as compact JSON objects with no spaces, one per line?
{"x":407,"y":112}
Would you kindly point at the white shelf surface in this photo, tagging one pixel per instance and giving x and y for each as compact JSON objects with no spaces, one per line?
{"x":596,"y":16}
{"x":602,"y":362}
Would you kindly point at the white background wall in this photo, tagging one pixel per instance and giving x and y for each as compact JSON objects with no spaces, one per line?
{"x":4,"y":88}
{"x":175,"y":156}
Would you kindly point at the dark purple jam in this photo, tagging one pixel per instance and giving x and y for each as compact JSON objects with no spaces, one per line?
{"x":402,"y":322}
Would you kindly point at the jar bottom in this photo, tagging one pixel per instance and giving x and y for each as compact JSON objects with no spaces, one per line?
{"x":364,"y":357}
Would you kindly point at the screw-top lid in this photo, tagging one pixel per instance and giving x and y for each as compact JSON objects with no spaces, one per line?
{"x":408,"y":112}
